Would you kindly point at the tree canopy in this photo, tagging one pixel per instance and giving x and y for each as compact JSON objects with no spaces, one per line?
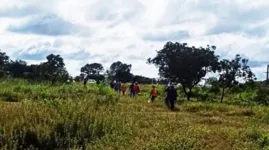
{"x":94,"y":68}
{"x":4,"y":60}
{"x":232,"y":71}
{"x":185,"y":65}
{"x":120,"y":71}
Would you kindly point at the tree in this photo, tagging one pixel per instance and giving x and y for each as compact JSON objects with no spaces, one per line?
{"x":120,"y":71}
{"x":185,"y":65}
{"x":4,"y":60}
{"x":144,"y":80}
{"x":231,"y":72}
{"x":92,"y":69}
{"x":54,"y":69}
{"x":78,"y":78}
{"x":17,"y":68}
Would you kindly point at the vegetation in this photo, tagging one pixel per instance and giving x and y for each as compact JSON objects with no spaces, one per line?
{"x":185,"y":65}
{"x":71,"y":116}
{"x":41,"y":110}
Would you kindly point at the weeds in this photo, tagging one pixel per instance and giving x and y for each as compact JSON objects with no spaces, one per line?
{"x":42,"y":116}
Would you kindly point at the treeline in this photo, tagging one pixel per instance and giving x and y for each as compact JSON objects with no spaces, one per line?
{"x":54,"y":70}
{"x":177,"y":62}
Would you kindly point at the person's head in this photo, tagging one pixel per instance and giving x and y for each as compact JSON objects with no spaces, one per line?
{"x":153,"y":87}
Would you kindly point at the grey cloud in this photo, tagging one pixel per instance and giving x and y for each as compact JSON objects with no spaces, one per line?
{"x":106,"y":10}
{"x":80,"y":55}
{"x":170,"y":36}
{"x":39,"y":51}
{"x":131,"y":46}
{"x":254,"y":64}
{"x":19,"y":11}
{"x":225,"y":27}
{"x":236,"y":27}
{"x":136,"y":57}
{"x":46,"y":25}
{"x":232,"y":17}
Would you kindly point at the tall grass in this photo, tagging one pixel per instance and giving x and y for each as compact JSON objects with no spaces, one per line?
{"x":71,"y":116}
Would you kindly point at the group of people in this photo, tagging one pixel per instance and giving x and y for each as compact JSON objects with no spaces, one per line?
{"x":119,"y":87}
{"x":134,"y":89}
{"x":171,"y":95}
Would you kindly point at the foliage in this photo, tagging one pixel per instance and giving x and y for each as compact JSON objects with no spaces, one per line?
{"x":262,"y":96}
{"x":120,"y":71}
{"x":4,"y":60}
{"x":233,"y":71}
{"x":94,"y":68}
{"x":71,"y":116}
{"x":17,"y":68}
{"x":185,"y":65}
{"x":144,"y":80}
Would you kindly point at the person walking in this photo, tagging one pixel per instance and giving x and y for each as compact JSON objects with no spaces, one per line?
{"x":117,"y":87}
{"x":123,"y":88}
{"x":85,"y":80}
{"x":171,"y":96}
{"x":136,"y":89}
{"x":131,"y":89}
{"x":153,"y":94}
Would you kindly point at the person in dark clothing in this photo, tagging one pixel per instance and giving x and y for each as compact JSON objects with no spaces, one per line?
{"x":112,"y":84}
{"x":117,"y":87}
{"x":85,"y":80}
{"x":171,"y":96}
{"x":131,"y":89}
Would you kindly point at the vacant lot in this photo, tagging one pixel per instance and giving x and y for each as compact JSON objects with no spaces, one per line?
{"x":40,"y":116}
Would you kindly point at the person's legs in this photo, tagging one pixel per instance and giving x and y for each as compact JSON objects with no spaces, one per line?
{"x":167,"y":102}
{"x":132,"y":93}
{"x":172,"y":102}
{"x":153,"y":98}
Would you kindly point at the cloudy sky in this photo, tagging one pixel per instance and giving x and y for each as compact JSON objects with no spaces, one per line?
{"x":104,"y":31}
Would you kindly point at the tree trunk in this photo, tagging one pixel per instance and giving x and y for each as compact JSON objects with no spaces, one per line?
{"x":185,"y":92}
{"x":188,"y":94}
{"x":222,"y":95}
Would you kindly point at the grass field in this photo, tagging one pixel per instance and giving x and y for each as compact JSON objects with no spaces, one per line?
{"x":41,"y":116}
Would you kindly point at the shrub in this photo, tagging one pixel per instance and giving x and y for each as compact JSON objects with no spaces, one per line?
{"x":262,"y":96}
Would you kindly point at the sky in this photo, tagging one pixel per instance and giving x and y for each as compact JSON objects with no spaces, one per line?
{"x":105,"y":31}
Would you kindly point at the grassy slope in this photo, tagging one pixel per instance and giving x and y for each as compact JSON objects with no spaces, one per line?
{"x":134,"y":124}
{"x":195,"y":125}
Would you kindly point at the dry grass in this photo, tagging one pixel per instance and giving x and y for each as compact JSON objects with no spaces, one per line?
{"x":94,"y":121}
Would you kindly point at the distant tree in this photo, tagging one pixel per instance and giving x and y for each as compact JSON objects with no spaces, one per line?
{"x":120,"y":71}
{"x":17,"y":68}
{"x":78,"y":78}
{"x":54,"y":69}
{"x":213,"y":85}
{"x":144,"y":80}
{"x":231,"y":72}
{"x":92,"y":69}
{"x":4,"y":60}
{"x":185,"y":65}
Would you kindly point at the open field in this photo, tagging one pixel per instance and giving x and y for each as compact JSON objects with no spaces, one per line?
{"x":41,"y":116}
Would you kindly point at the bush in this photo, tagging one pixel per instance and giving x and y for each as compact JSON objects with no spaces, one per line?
{"x":2,"y":74}
{"x":262,"y":96}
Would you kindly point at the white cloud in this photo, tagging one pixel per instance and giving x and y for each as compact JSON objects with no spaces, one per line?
{"x":131,"y":30}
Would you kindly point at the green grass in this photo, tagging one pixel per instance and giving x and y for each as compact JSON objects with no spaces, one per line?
{"x":73,"y":117}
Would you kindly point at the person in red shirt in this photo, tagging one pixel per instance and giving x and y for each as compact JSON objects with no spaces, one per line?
{"x":136,"y":89}
{"x":123,"y":88}
{"x":153,"y":94}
